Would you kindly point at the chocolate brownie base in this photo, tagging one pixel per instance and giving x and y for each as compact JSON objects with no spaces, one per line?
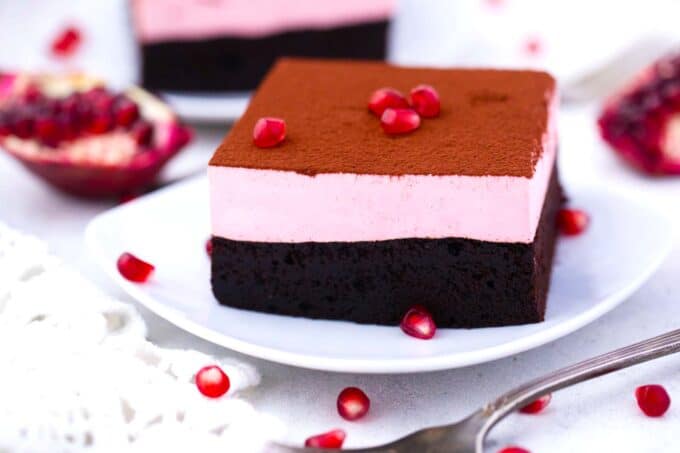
{"x":464,"y":282}
{"x":232,"y":64}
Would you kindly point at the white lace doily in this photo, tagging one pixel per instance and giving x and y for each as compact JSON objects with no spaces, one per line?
{"x":77,"y":374}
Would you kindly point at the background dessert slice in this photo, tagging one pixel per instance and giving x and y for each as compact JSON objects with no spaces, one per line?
{"x":192,"y":45}
{"x":342,"y":221}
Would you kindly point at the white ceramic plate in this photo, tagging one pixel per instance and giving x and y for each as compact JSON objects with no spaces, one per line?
{"x":593,"y":273}
{"x":208,"y":108}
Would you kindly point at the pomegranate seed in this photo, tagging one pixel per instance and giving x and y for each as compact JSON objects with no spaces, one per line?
{"x":513,"y":449}
{"x":101,"y":123}
{"x":533,"y":46}
{"x":142,"y":132}
{"x":425,"y":101}
{"x":537,"y":406}
{"x":653,"y":400}
{"x":209,"y":247}
{"x":385,"y":98}
{"x":269,"y":132}
{"x":212,"y":382}
{"x":127,"y":197}
{"x":66,"y":42}
{"x":5,"y":122}
{"x":399,"y":121}
{"x":331,"y":439}
{"x":353,"y":403}
{"x":572,"y":222}
{"x":23,"y":127}
{"x":134,"y":269}
{"x":46,"y":130}
{"x":126,"y":112}
{"x":418,"y":323}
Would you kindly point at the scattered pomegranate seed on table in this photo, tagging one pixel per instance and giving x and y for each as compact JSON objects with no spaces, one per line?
{"x":572,"y":222}
{"x":353,"y":403}
{"x":209,"y":247}
{"x":134,"y":269}
{"x":212,"y":382}
{"x":385,"y":98}
{"x":331,"y":439}
{"x":269,"y":132}
{"x":399,"y":121}
{"x":537,"y":406}
{"x":533,"y":46}
{"x":513,"y":449}
{"x":425,"y":101}
{"x":653,"y":400}
{"x":418,"y":323}
{"x":67,"y":42}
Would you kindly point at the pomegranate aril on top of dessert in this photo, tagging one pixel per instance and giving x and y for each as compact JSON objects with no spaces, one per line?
{"x":385,"y":98}
{"x":331,"y":439}
{"x":537,"y":406}
{"x":642,"y":123}
{"x":425,"y":101}
{"x":212,"y":382}
{"x":353,"y":403}
{"x":133,"y":268}
{"x":269,"y":132}
{"x":572,"y":222}
{"x":399,"y":121}
{"x":418,"y":323}
{"x":66,"y":42}
{"x":653,"y":400}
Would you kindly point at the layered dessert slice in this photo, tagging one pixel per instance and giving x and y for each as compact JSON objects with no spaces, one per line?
{"x":343,"y":221}
{"x":219,"y":45}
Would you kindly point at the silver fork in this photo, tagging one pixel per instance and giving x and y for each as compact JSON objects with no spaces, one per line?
{"x":467,"y":435}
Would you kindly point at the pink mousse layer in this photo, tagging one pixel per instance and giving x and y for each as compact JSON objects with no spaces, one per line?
{"x":158,"y":20}
{"x":280,"y":206}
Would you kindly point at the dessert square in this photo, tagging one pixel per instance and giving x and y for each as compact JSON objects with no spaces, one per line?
{"x":218,"y":45}
{"x":342,"y":221}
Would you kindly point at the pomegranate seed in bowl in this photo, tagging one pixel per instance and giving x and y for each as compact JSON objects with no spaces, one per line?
{"x":212,"y":382}
{"x":418,"y":323}
{"x":572,"y":222}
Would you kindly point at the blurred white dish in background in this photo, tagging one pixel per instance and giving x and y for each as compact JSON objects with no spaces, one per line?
{"x":593,"y":273}
{"x":208,"y":108}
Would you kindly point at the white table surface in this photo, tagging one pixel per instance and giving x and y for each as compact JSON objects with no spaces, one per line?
{"x":597,"y":416}
{"x":591,"y":417}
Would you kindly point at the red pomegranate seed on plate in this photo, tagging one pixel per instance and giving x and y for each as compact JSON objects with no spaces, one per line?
{"x":269,"y":132}
{"x":537,"y":406}
{"x":418,"y":323}
{"x":425,"y":101}
{"x":134,"y":269}
{"x":572,"y":222}
{"x":331,"y":439}
{"x":353,"y":403}
{"x":513,"y":449}
{"x":385,"y":98}
{"x":212,"y":382}
{"x":399,"y":121}
{"x":66,"y":42}
{"x":209,"y":247}
{"x":653,"y":400}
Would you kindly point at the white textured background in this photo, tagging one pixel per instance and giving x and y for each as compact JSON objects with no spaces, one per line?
{"x":598,"y":416}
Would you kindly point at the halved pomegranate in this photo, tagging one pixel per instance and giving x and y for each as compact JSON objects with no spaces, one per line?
{"x":83,"y":138}
{"x":642,"y":122}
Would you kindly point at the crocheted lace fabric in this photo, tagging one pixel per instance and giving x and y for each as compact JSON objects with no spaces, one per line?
{"x":77,"y":374}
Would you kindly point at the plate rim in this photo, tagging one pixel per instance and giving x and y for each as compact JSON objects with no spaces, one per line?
{"x":386,"y":366}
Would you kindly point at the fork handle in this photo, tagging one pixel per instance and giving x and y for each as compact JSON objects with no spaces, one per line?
{"x":625,"y":357}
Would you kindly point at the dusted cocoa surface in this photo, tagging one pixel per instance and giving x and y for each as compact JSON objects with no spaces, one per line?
{"x":233,"y":63}
{"x":464,"y":282}
{"x":492,"y":121}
